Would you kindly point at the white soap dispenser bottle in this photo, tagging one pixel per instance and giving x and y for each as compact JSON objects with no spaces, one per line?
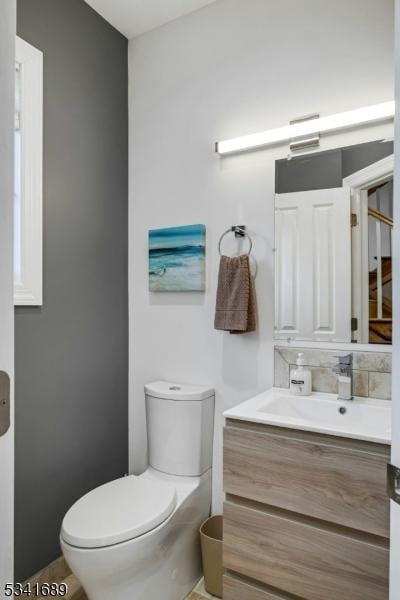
{"x":300,"y":378}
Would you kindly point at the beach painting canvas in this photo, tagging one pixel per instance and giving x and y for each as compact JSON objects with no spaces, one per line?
{"x":177,"y":259}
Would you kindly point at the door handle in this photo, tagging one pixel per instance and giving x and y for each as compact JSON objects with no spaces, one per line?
{"x":393,"y":483}
{"x":4,"y":402}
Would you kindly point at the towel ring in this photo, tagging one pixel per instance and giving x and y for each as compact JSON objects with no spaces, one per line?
{"x":240,"y":232}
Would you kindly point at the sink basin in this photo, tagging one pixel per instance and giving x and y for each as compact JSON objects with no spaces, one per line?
{"x":363,"y":418}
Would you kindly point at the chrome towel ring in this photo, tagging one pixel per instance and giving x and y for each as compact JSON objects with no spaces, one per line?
{"x":240,"y":232}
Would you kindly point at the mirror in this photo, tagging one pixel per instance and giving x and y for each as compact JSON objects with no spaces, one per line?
{"x":333,"y":247}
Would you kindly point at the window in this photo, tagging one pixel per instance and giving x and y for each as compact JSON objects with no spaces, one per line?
{"x":28,"y":202}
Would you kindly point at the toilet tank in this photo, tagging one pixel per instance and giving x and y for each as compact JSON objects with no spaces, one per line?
{"x":180,"y":427}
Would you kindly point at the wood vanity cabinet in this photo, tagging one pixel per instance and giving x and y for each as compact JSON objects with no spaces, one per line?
{"x":306,"y":515}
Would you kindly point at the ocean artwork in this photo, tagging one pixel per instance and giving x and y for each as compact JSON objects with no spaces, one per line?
{"x":177,"y":259}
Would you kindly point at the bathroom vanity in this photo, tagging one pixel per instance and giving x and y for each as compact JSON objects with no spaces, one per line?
{"x":306,"y":514}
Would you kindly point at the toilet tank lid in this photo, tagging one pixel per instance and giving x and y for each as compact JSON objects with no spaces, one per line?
{"x":169,"y":390}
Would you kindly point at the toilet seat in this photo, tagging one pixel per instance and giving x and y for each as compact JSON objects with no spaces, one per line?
{"x":118,"y":511}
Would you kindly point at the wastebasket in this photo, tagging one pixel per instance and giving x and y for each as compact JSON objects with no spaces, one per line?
{"x":211,"y":552}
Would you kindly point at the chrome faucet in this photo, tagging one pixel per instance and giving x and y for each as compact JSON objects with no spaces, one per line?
{"x":344,"y":371}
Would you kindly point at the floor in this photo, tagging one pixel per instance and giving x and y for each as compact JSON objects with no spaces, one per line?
{"x":199,"y":593}
{"x":76,"y":593}
{"x":58,"y":571}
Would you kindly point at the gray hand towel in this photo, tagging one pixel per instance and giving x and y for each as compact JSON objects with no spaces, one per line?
{"x":235,"y":310}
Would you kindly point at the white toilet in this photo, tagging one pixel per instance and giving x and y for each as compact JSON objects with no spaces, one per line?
{"x":136,"y":538}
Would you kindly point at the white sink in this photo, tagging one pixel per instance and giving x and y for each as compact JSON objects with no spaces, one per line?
{"x":361,"y":418}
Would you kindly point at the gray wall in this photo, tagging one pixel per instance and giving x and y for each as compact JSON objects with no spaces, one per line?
{"x":324,"y":170}
{"x":72,"y":353}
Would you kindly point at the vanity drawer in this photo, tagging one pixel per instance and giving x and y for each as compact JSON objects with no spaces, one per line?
{"x":235,"y":589}
{"x":296,"y":557}
{"x":327,"y":480}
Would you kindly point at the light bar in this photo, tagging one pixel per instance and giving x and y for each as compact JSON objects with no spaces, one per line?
{"x":360,"y":116}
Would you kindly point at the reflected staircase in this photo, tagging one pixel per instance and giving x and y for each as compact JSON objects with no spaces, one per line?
{"x":380,"y":305}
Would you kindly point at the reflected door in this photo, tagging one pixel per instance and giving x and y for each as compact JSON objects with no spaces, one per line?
{"x":313,"y":265}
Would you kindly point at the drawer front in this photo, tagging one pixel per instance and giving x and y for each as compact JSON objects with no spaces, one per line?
{"x":234,"y":589}
{"x":338,"y":484}
{"x":303,"y":559}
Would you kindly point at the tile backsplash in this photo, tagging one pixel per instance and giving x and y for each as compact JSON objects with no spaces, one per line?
{"x":372,"y":370}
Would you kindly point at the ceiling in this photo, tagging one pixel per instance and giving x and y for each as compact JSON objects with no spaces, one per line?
{"x":133,"y":17}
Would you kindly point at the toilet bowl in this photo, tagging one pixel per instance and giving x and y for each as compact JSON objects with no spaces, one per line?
{"x":136,"y":538}
{"x":162,"y":562}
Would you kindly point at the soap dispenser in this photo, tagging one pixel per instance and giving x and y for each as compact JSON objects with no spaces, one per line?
{"x":300,"y":378}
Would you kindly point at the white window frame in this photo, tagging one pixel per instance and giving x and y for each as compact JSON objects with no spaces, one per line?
{"x":29,"y":289}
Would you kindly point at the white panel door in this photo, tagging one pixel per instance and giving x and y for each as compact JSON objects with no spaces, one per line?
{"x":313,"y":265}
{"x":7,"y":69}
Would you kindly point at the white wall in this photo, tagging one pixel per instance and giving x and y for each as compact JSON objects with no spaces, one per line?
{"x":234,"y":67}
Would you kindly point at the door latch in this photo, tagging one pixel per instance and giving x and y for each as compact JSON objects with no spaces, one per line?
{"x":4,"y":402}
{"x":393,"y":483}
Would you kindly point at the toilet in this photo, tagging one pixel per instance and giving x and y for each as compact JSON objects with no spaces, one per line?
{"x":137,"y":538}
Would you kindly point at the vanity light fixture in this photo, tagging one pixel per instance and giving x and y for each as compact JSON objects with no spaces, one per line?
{"x":350,"y":118}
